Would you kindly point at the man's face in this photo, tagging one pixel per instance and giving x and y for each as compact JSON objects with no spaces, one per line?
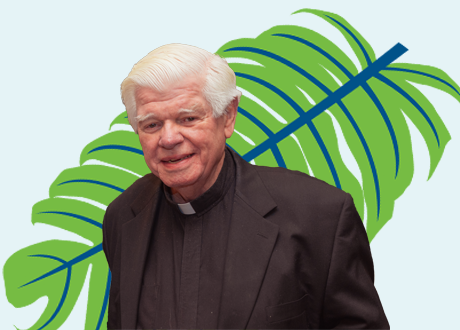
{"x":183,"y":143}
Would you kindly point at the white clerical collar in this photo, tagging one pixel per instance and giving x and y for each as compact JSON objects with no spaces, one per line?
{"x":186,"y":208}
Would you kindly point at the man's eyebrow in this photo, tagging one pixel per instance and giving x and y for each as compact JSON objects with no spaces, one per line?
{"x":145,"y":117}
{"x":192,"y":109}
{"x":181,"y":111}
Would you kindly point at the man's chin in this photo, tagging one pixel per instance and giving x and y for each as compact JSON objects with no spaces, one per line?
{"x":180,"y":178}
{"x":179,"y":183}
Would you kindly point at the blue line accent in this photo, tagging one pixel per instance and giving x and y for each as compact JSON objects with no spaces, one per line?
{"x":81,"y":257}
{"x":279,"y":159}
{"x":319,"y":50}
{"x":274,"y":148}
{"x":385,"y":117}
{"x":288,"y":63}
{"x":66,"y":286}
{"x":325,"y":152}
{"x":61,"y":302}
{"x":391,"y":84}
{"x":80,"y":217}
{"x":105,"y":302}
{"x":332,"y":99}
{"x":368,"y":153}
{"x":117,"y":147}
{"x":94,"y":182}
{"x":48,"y":257}
{"x":426,"y":75}
{"x":366,"y":87}
{"x":366,"y":55}
{"x":271,"y":141}
{"x":274,"y":89}
{"x":256,"y":121}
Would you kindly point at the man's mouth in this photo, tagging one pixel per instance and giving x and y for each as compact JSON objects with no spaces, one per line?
{"x":179,"y":159}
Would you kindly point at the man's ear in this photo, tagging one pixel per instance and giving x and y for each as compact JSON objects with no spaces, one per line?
{"x":230,"y":117}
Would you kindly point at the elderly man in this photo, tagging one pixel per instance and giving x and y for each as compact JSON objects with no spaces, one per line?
{"x":210,"y":241}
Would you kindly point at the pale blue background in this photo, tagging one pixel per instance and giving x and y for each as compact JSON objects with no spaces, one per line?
{"x":61,"y":64}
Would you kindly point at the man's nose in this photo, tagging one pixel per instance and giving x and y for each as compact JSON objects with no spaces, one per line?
{"x":170,"y":136}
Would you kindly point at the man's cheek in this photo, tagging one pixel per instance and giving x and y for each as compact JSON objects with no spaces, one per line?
{"x":151,"y":162}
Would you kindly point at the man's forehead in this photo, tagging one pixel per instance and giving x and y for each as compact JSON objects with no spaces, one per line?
{"x":177,"y":93}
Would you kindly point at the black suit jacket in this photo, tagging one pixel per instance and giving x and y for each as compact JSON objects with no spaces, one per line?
{"x":297,"y":256}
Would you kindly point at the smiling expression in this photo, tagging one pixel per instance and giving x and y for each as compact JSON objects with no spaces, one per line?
{"x":183,"y":144}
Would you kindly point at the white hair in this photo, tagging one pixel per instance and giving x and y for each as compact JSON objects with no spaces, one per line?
{"x":171,"y":63}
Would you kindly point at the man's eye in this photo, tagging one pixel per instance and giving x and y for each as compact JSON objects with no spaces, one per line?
{"x":190,"y":119}
{"x":152,"y":125}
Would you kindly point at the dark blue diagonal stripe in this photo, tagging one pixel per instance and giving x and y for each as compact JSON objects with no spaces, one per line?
{"x":426,"y":75}
{"x":367,"y":151}
{"x":68,"y":264}
{"x":117,"y":147}
{"x":105,"y":302}
{"x":80,"y":217}
{"x":274,"y":148}
{"x":108,"y":185}
{"x":366,"y":55}
{"x":366,"y":87}
{"x":332,"y":99}
{"x":286,"y":62}
{"x":385,"y":117}
{"x":401,"y":91}
{"x":319,"y":50}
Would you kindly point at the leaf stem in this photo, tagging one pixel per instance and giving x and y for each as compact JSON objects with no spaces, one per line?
{"x":368,"y":73}
{"x":70,"y":263}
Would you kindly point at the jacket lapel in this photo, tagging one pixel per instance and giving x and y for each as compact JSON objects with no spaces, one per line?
{"x":135,"y":242}
{"x":250,"y":245}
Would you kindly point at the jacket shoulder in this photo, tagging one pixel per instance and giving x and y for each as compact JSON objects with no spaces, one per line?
{"x":285,"y":184}
{"x":138,"y":194}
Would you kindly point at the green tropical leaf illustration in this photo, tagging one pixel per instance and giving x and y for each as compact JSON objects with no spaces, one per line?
{"x":300,"y":92}
{"x":58,"y":269}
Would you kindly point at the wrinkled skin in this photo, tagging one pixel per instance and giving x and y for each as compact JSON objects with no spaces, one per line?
{"x":183,"y":144}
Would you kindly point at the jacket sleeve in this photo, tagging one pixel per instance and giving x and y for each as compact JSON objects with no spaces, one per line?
{"x":108,"y":244}
{"x":351,"y":300}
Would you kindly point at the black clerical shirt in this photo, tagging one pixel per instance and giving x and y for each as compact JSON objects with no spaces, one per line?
{"x":183,"y":276}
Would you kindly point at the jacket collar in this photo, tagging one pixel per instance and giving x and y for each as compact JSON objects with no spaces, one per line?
{"x":250,"y":245}
{"x":147,"y":194}
{"x":250,"y":188}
